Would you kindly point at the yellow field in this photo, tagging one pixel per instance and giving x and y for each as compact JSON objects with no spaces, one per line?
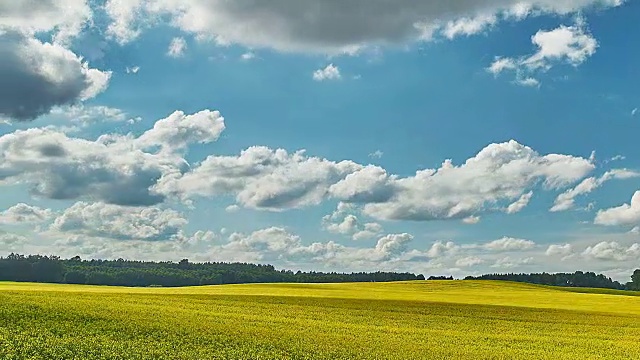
{"x":410,"y":320}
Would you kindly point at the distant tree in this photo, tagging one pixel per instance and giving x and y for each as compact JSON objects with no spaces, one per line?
{"x":577,"y":279}
{"x":635,"y":281}
{"x":440,"y":278}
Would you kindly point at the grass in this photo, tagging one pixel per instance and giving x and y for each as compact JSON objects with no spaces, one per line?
{"x":406,"y":320}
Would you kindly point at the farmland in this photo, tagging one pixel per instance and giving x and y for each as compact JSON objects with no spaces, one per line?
{"x":402,"y":320}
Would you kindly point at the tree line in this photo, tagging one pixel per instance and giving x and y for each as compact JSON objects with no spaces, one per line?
{"x":577,"y":279}
{"x":52,"y":269}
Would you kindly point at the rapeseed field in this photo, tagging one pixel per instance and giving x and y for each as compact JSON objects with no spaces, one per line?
{"x":406,"y":320}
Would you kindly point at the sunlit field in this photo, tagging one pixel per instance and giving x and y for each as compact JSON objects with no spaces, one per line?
{"x":406,"y":320}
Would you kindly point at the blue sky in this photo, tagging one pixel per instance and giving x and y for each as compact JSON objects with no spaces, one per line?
{"x":458,"y":138}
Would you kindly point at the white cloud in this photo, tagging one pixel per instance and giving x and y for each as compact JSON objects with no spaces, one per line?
{"x":626,"y":214}
{"x":303,"y":26}
{"x":376,"y":154}
{"x":121,"y":222}
{"x":262,"y":178}
{"x":35,"y":77}
{"x":343,"y":222}
{"x":22,"y":213}
{"x":520,"y":204}
{"x":440,"y":248}
{"x":11,"y":240}
{"x":559,"y":250}
{"x":469,"y":261}
{"x":133,"y":69}
{"x":177,"y":131}
{"x":508,"y":262}
{"x":393,"y":244}
{"x":566,"y":200}
{"x":530,"y":82}
{"x":112,"y":169}
{"x":248,"y":56}
{"x":612,"y":251}
{"x":634,"y":112}
{"x":501,"y":64}
{"x":498,"y":173}
{"x":468,"y":26}
{"x":509,"y":244}
{"x":370,"y":231}
{"x":366,"y":184}
{"x":66,"y":18}
{"x":125,"y":19}
{"x":348,"y":225}
{"x":572,"y":45}
{"x":471,"y":220}
{"x":177,"y":47}
{"x":86,"y":115}
{"x":278,"y":244}
{"x":330,"y":72}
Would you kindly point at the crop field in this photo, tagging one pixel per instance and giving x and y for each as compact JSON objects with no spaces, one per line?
{"x":405,"y":320}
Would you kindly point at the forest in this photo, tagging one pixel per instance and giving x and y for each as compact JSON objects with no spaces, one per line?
{"x":577,"y":279}
{"x":53,"y":269}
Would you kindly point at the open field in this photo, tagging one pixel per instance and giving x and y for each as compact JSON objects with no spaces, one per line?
{"x":410,"y":320}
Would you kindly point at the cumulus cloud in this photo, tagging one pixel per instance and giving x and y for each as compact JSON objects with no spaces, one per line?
{"x":263,"y":178}
{"x":393,"y":244}
{"x":566,"y":200}
{"x":65,"y":18}
{"x":348,"y":225}
{"x":125,"y":18}
{"x":22,"y":213}
{"x":277,"y":243}
{"x":35,"y":77}
{"x":113,"y":169}
{"x":121,"y":222}
{"x":368,"y":184}
{"x":469,"y":261}
{"x":498,"y":173}
{"x":332,"y":27}
{"x":509,"y":244}
{"x":626,"y":214}
{"x":572,"y":45}
{"x":508,"y":262}
{"x":177,"y":47}
{"x":471,"y":220}
{"x":8,"y":240}
{"x":440,"y":248}
{"x":342,"y":221}
{"x":559,"y":250}
{"x":330,"y":72}
{"x":612,"y":251}
{"x":520,"y":203}
{"x":179,"y":130}
{"x":85,"y":115}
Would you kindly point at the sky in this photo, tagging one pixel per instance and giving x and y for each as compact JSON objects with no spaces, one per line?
{"x":444,"y":138}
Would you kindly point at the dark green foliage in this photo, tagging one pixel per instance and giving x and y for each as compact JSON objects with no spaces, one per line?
{"x":635,"y":281}
{"x":577,"y":279}
{"x":184,"y":273}
{"x":440,"y":278}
